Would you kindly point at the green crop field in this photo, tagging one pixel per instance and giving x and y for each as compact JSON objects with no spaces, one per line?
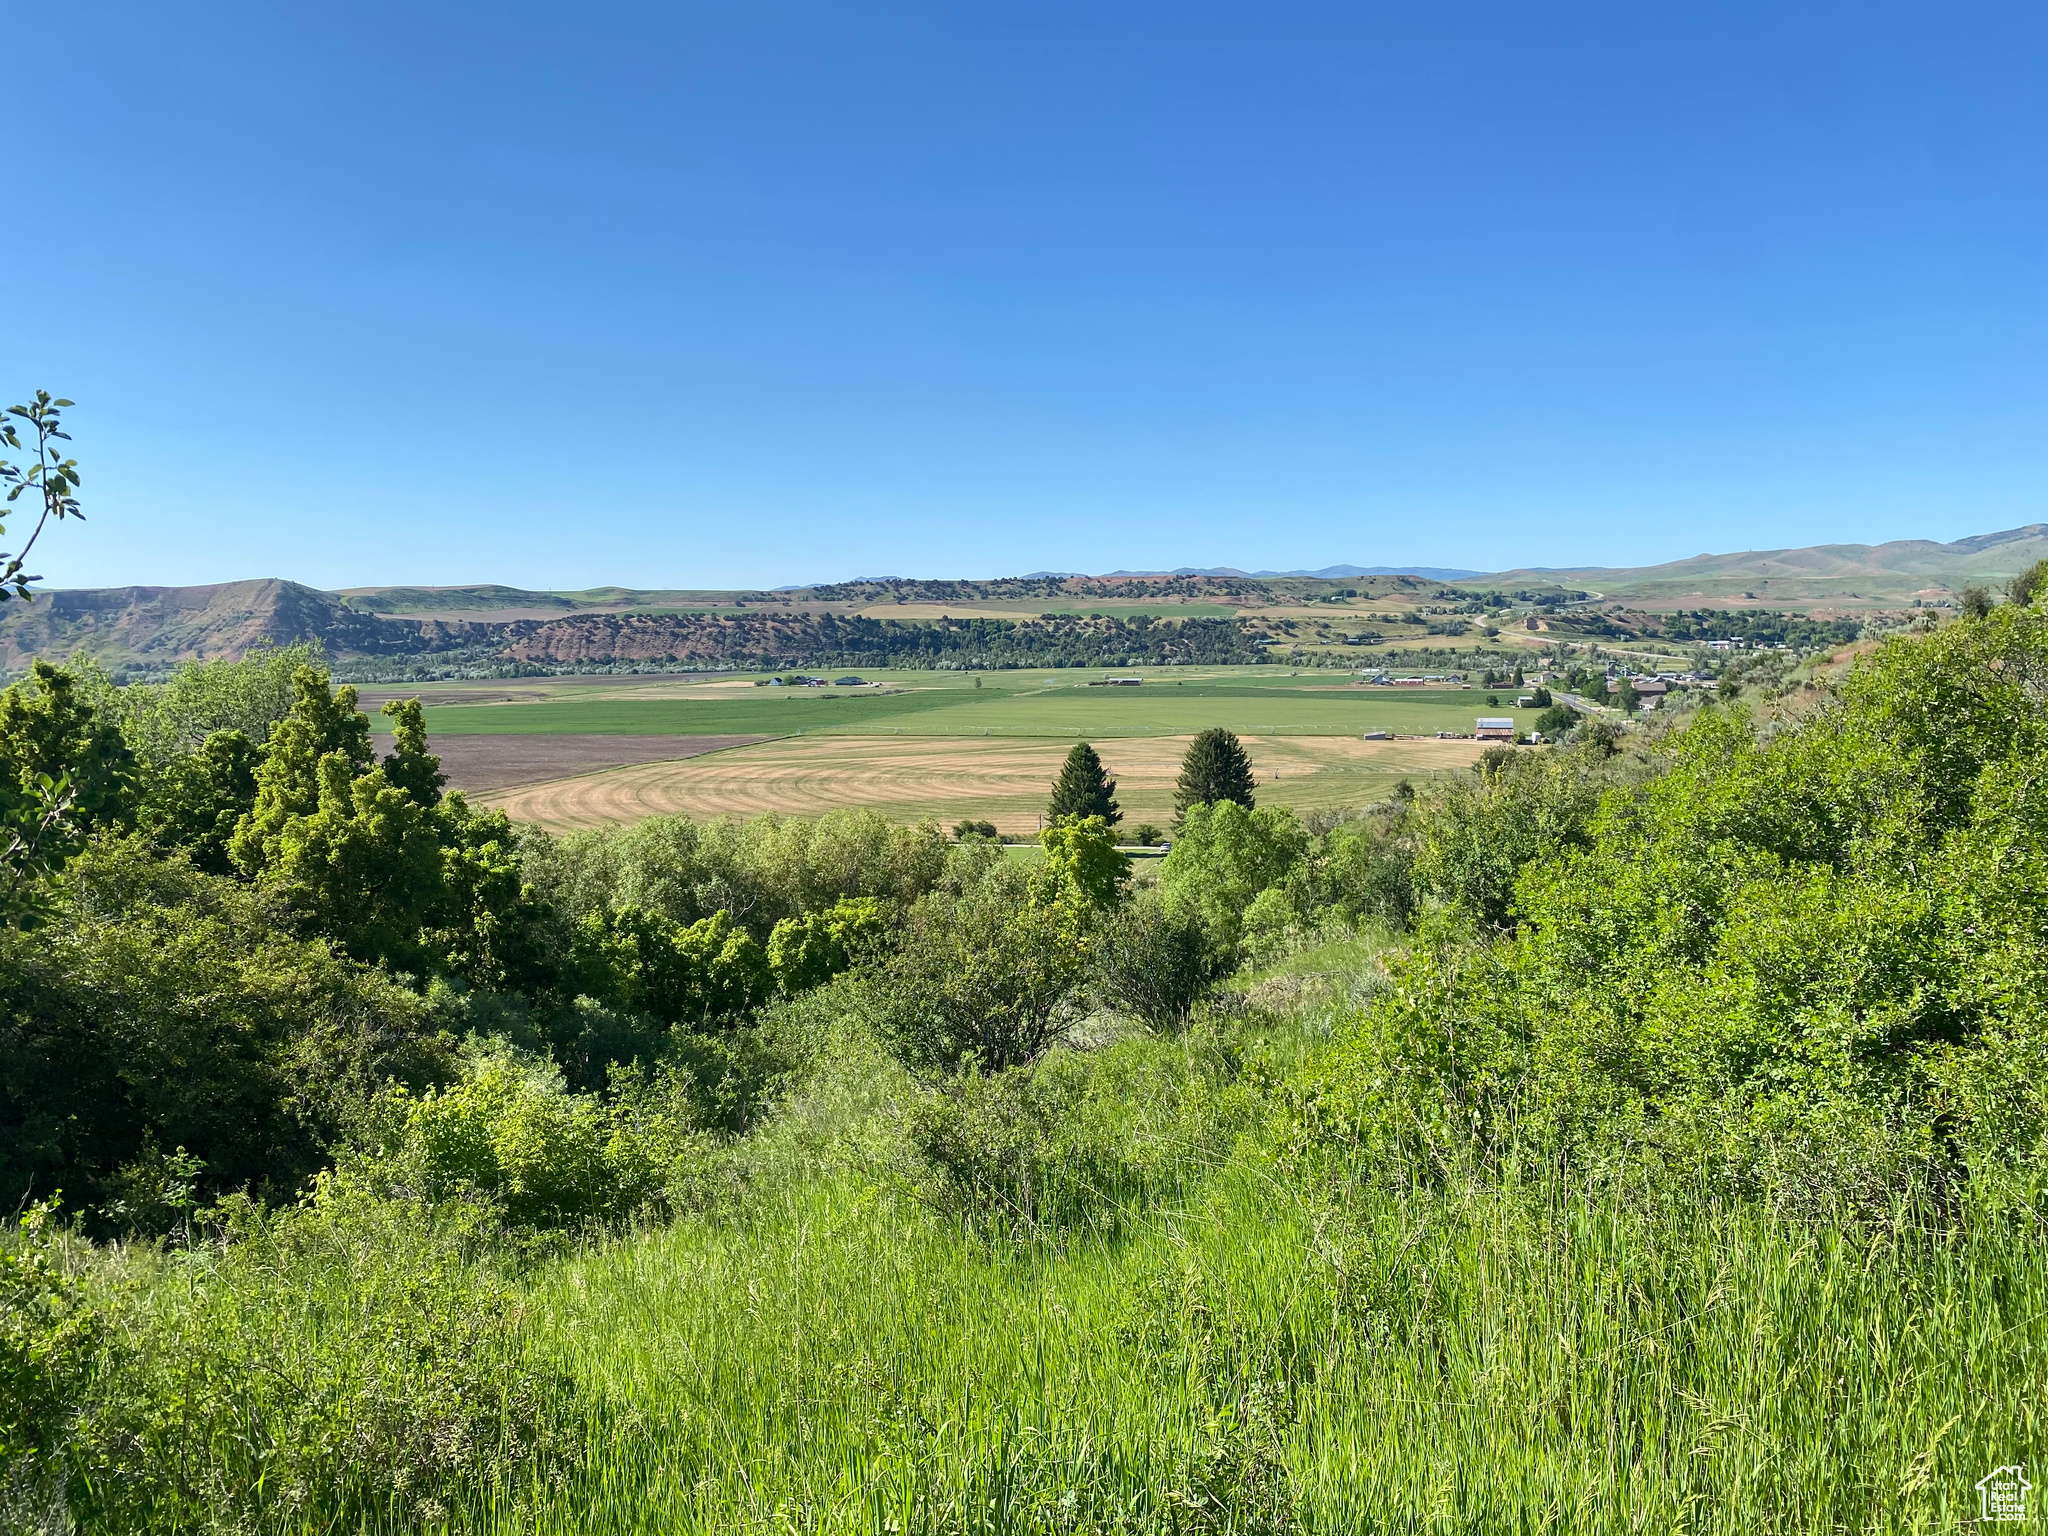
{"x":1155,"y":610}
{"x":1249,"y":700}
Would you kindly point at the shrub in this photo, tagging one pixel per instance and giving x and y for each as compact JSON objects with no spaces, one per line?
{"x":1155,"y":960}
{"x":988,"y":974}
{"x":1079,"y":1138}
{"x":760,"y":871}
{"x":1804,"y":962}
{"x":513,"y":1134}
{"x":1478,"y":836}
{"x":1364,"y":869}
{"x":169,"y":1009}
{"x":50,"y":1334}
{"x":1084,"y":874}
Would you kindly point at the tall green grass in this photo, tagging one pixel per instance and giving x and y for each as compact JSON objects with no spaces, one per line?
{"x":1491,"y":1357}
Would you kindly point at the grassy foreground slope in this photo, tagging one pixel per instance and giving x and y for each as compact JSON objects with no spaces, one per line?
{"x":1477,"y":1357}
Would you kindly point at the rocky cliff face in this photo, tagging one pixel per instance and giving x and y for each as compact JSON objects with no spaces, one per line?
{"x":161,"y":625}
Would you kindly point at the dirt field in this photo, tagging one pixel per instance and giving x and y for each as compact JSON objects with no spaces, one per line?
{"x":480,"y":764}
{"x":1002,"y":781}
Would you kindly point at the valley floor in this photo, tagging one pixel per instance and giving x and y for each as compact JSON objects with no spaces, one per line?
{"x":909,"y":778}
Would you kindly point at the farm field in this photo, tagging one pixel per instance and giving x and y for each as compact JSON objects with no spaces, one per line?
{"x":912,"y":778}
{"x":479,"y":764}
{"x":1248,"y":700}
{"x":926,"y":744}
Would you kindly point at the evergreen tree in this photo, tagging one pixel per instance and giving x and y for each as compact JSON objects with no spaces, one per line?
{"x":1215,"y":768}
{"x":1083,"y":789}
{"x":322,"y":722}
{"x":412,"y":767}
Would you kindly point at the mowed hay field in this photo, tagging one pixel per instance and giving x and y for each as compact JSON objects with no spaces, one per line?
{"x":911,"y":778}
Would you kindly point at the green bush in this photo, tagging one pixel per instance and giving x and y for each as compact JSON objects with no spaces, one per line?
{"x":988,"y":974}
{"x":1155,"y":960}
{"x":511,"y":1133}
{"x":1084,"y":875}
{"x":703,"y":973}
{"x":1805,"y":963}
{"x":1076,"y":1139}
{"x":808,"y":951}
{"x":1364,"y":869}
{"x":761,"y":871}
{"x":50,"y":1337}
{"x":1476,"y":837}
{"x":171,"y":1008}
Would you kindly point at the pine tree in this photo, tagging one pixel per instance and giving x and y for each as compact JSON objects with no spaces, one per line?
{"x":1215,"y":768}
{"x":1083,"y":789}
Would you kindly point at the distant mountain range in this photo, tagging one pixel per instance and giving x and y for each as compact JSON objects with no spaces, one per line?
{"x":1327,"y":573}
{"x":155,"y":627}
{"x":1903,"y":568}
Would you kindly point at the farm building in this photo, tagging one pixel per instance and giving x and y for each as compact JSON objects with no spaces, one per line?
{"x":1494,"y":728}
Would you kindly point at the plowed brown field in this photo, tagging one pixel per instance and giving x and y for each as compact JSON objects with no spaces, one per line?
{"x":1002,"y":781}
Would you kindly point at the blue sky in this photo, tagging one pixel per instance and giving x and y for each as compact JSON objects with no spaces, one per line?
{"x":733,"y":295}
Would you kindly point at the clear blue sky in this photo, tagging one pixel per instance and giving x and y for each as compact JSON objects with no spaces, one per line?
{"x":685,"y":294}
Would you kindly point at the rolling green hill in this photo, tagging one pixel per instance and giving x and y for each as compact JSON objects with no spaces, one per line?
{"x":1900,"y":570}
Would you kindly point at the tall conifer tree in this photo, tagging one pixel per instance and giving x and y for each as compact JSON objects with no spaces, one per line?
{"x":1083,"y":788}
{"x":1216,"y":768}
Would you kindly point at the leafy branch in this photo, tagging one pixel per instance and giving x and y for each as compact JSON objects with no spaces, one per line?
{"x":34,"y":847}
{"x":56,"y":479}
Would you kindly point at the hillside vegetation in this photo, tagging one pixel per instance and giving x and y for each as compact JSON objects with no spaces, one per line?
{"x":1650,"y":1132}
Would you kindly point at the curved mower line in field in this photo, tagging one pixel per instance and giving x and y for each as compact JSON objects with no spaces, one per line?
{"x":945,"y":779}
